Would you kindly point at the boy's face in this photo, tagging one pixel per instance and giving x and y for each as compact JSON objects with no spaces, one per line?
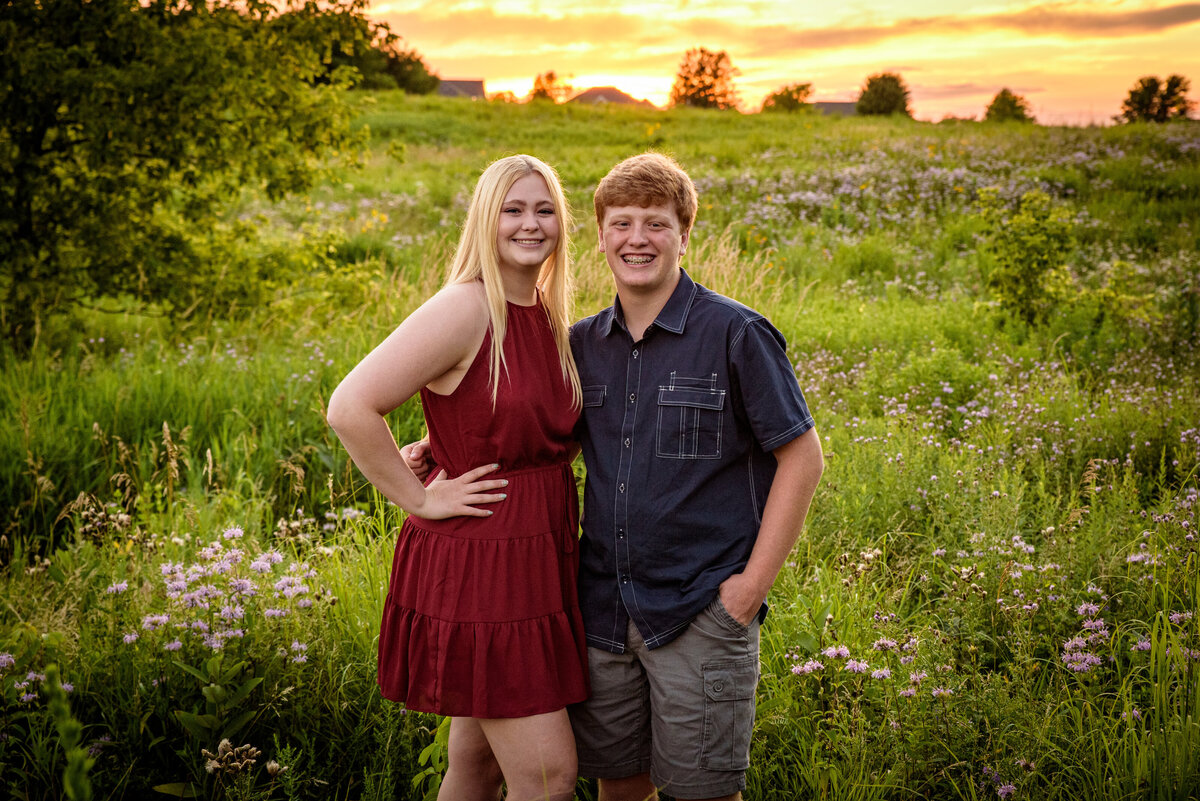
{"x":643,"y":247}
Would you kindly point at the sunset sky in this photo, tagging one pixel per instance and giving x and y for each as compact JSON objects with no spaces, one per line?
{"x":1073,"y":61}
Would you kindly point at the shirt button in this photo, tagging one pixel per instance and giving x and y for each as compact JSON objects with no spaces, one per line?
{"x":632,"y":397}
{"x":627,"y":442}
{"x":621,"y":487}
{"x":635,"y":354}
{"x":718,"y":686}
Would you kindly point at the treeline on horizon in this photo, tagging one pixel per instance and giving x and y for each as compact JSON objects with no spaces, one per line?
{"x":127,"y":127}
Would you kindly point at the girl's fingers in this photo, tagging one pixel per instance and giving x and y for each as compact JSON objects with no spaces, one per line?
{"x":479,"y":472}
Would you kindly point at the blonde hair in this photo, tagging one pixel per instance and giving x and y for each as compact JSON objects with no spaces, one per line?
{"x":477,"y":259}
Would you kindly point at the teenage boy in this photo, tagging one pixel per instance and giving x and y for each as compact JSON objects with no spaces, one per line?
{"x":702,"y":460}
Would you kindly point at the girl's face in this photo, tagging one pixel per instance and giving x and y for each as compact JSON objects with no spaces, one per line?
{"x":528,"y":229}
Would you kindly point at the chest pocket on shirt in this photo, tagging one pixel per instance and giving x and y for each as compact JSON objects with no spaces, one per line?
{"x":593,"y":395}
{"x":689,"y":418}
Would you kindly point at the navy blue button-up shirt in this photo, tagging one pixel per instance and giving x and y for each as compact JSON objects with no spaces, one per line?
{"x":677,"y":430}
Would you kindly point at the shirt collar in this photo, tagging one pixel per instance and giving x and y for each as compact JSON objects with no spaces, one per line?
{"x":672,"y":317}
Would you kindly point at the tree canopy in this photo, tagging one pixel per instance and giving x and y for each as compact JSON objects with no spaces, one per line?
{"x":884,"y":93}
{"x":1006,"y":106}
{"x":125,"y":125}
{"x":793,"y":97}
{"x":550,"y":86}
{"x":1152,"y":100}
{"x":705,"y":80}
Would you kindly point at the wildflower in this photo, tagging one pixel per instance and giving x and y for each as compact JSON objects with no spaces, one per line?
{"x":242,"y":586}
{"x":130,"y":638}
{"x":1081,"y":661}
{"x":1005,"y":790}
{"x":1141,"y":645}
{"x":908,"y":692}
{"x":299,"y":659}
{"x":174,"y":645}
{"x":232,"y":533}
{"x":915,"y":678}
{"x":908,"y":660}
{"x":1179,"y":618}
{"x":811,"y":666}
{"x":939,"y":552}
{"x":118,"y":587}
{"x":941,"y":692}
{"x":7,"y":661}
{"x":1087,"y":609}
{"x":836,"y":652}
{"x":882,"y":673}
{"x":27,"y":697}
{"x":1094,"y":625}
{"x":67,"y":687}
{"x":274,"y":768}
{"x":35,"y":676}
{"x":299,"y":646}
{"x":275,"y":612}
{"x":855,"y":666}
{"x":884,"y":644}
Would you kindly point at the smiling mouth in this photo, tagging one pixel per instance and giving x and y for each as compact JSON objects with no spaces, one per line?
{"x":529,"y":241}
{"x":637,"y":260}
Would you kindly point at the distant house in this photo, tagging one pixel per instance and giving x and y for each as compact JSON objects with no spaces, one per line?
{"x":837,"y":109}
{"x":470,"y":88}
{"x":608,"y":94}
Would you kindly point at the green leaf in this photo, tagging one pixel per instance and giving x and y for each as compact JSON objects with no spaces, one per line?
{"x":240,"y":693}
{"x":238,"y":723}
{"x":200,"y":726}
{"x":178,"y":789}
{"x":191,"y":670}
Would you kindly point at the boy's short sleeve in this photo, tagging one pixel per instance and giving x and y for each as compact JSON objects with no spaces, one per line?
{"x":765,"y":385}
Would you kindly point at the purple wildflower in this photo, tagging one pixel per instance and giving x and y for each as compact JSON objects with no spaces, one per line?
{"x":855,"y":666}
{"x":811,"y":666}
{"x":882,"y":673}
{"x":118,"y":587}
{"x":1005,"y":790}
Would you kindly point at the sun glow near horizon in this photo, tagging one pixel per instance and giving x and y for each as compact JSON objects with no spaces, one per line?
{"x":1074,"y":61}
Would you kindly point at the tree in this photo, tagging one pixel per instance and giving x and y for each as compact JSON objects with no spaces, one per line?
{"x":793,"y":97}
{"x":705,"y":80}
{"x":1006,"y":106}
{"x":549,"y":86}
{"x":884,"y":93}
{"x":408,"y":70}
{"x":125,"y":125}
{"x":1151,"y":100}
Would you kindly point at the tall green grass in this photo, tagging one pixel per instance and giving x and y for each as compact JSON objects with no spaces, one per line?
{"x":986,"y":478}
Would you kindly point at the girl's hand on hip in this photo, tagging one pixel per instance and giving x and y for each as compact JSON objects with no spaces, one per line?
{"x":455,"y":497}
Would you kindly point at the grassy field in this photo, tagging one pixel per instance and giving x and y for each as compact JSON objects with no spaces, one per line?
{"x":996,"y":593}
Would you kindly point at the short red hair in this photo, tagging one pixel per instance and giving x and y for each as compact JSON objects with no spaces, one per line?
{"x":648,"y":180}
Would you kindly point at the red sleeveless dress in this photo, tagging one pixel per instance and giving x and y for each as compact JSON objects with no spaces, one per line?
{"x":482,"y":616}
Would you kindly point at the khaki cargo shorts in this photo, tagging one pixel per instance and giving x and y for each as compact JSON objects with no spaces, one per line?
{"x":683,"y":711}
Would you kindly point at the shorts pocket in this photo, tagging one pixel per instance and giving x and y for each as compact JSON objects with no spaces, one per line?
{"x":728,"y":714}
{"x":726,"y":619}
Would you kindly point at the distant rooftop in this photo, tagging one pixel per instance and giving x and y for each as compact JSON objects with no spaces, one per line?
{"x":472,"y":88}
{"x":608,"y":94}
